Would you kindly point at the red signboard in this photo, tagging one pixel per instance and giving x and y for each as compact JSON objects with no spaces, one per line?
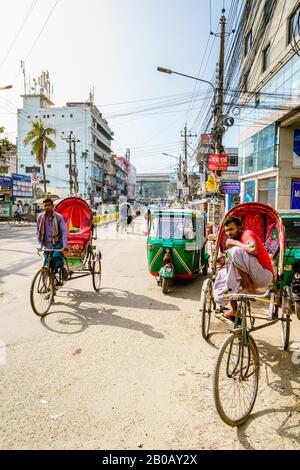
{"x":218,"y":162}
{"x":205,"y":139}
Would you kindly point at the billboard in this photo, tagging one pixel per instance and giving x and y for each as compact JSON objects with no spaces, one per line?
{"x":295,"y":196}
{"x":231,"y":187}
{"x":217,"y":162}
{"x":22,"y":186}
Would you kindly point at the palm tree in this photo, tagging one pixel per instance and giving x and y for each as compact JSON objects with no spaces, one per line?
{"x":38,"y":138}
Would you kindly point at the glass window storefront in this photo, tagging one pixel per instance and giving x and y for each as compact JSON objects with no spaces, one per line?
{"x":280,"y":90}
{"x":249,"y":193}
{"x":267,"y":191}
{"x":259,"y":152}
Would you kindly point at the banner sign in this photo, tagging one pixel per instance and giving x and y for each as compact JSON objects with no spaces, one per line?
{"x":218,"y":162}
{"x":205,"y":139}
{"x":231,"y":187}
{"x":230,"y":175}
{"x":211,"y":183}
{"x":295,"y":196}
{"x":6,"y":181}
{"x":22,"y":186}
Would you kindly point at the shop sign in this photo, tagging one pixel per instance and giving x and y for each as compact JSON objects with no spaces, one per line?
{"x":22,"y":186}
{"x":230,"y":175}
{"x":5,"y":181}
{"x":217,"y":162}
{"x":295,"y":196}
{"x":211,"y":183}
{"x":231,"y":187}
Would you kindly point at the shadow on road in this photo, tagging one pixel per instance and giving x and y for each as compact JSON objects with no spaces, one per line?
{"x":285,"y":430}
{"x":118,"y":298}
{"x":78,"y":321}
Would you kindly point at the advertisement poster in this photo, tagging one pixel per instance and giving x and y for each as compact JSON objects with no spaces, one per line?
{"x":218,"y":162}
{"x":231,"y":187}
{"x":22,"y":186}
{"x":295,"y":196}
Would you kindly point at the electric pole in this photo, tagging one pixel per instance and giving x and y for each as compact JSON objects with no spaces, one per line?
{"x":73,"y":172}
{"x":84,"y":156}
{"x":75,"y":169}
{"x":220,"y":90}
{"x":186,"y":136}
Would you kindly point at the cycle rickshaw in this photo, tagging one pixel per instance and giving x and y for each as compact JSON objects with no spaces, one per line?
{"x":82,"y":258}
{"x":238,"y":364}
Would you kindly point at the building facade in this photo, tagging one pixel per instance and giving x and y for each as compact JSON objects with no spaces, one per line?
{"x":93,"y":146}
{"x":269,"y":150}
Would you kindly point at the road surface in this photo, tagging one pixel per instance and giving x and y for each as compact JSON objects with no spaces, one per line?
{"x":126,"y":368}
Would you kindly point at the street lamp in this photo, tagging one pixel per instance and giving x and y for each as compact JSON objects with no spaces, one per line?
{"x":172,"y":156}
{"x":6,"y":87}
{"x":169,"y":71}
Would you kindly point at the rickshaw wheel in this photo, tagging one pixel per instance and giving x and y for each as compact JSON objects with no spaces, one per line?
{"x":207,"y":305}
{"x":165,"y":285}
{"x":285,"y":322}
{"x":236,"y":373}
{"x":42,"y":292}
{"x":96,"y":273}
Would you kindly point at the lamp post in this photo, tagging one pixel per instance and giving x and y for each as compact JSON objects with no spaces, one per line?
{"x":169,"y":71}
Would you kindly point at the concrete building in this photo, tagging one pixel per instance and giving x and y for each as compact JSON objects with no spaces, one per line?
{"x":269,"y":151}
{"x":87,"y":124}
{"x":9,"y":163}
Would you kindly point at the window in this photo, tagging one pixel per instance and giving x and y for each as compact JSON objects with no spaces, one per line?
{"x":22,"y":166}
{"x":248,"y":42}
{"x":49,"y":166}
{"x":71,"y":116}
{"x":246,"y":80}
{"x":294,"y":25}
{"x":266,"y":58}
{"x":44,"y":116}
{"x":48,"y":115}
{"x":67,"y":166}
{"x":63,"y":115}
{"x":269,"y":8}
{"x":249,"y":195}
{"x":233,"y":160}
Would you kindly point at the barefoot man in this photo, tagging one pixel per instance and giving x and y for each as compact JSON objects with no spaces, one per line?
{"x":247,"y":264}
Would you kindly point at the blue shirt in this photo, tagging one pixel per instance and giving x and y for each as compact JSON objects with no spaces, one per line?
{"x":62,"y":231}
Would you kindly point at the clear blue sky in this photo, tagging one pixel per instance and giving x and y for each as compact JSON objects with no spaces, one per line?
{"x":115,"y":46}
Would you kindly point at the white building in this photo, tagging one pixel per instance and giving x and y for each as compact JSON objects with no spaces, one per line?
{"x":93,"y":150}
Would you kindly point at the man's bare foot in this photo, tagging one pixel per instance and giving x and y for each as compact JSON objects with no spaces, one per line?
{"x":230,"y":314}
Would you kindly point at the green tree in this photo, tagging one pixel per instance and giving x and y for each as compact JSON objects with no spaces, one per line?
{"x":5,"y":147}
{"x":40,"y":141}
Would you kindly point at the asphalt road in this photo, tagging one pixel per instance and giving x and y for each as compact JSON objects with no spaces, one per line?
{"x":126,"y":368}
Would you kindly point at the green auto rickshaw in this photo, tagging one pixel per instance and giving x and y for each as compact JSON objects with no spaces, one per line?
{"x":176,"y":245}
{"x":291,"y":273}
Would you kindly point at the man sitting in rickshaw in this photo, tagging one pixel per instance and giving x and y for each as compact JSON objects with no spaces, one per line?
{"x":248,"y":264}
{"x":52,"y":234}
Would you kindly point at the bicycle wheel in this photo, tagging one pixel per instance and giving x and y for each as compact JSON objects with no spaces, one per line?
{"x":207,"y":305}
{"x":235,"y":380}
{"x":42,"y":292}
{"x":96,"y":273}
{"x":285,"y":322}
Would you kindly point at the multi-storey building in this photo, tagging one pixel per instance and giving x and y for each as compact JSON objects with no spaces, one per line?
{"x":269,"y":150}
{"x":93,"y":149}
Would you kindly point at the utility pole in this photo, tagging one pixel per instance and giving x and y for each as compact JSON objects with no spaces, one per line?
{"x":186,"y":136}
{"x":75,"y":169}
{"x":84,"y":156}
{"x":219,"y":111}
{"x":180,"y":178}
{"x":73,"y":172}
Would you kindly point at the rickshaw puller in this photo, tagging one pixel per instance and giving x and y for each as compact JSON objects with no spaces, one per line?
{"x":248,"y":264}
{"x":52,"y":234}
